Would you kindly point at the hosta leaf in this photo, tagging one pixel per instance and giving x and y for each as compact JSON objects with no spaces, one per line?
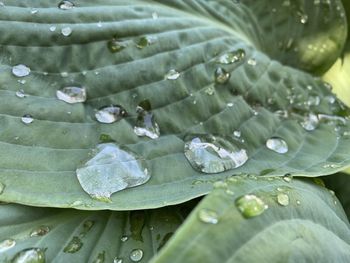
{"x":304,"y":222}
{"x":202,"y":68}
{"x":79,"y":236}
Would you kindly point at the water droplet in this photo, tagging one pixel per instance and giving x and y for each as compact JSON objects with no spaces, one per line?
{"x":30,"y":255}
{"x":222,"y":76}
{"x":117,"y":260}
{"x":52,"y":28}
{"x":99,"y":24}
{"x":34,"y":11}
{"x":124,"y":238}
{"x":172,"y":75}
{"x":303,"y":18}
{"x":20,"y":94}
{"x":100,"y":257}
{"x":298,"y":202}
{"x":136,"y":255}
{"x":7,"y":244}
{"x":20,"y":70}
{"x":116,"y":45}
{"x":66,"y":31}
{"x":213,"y":154}
{"x":230,"y":104}
{"x":252,"y":62}
{"x":64,"y":74}
{"x":27,"y":119}
{"x":145,"y":123}
{"x":155,"y":15}
{"x":251,"y":205}
{"x":208,"y":216}
{"x":332,"y":119}
{"x":220,"y":185}
{"x":231,"y":57}
{"x":237,"y":134}
{"x":145,"y":41}
{"x":66,"y":5}
{"x":111,"y":169}
{"x":72,"y":94}
{"x":288,"y":178}
{"x":277,"y":145}
{"x":310,"y":122}
{"x":110,"y":114}
{"x":283,"y":199}
{"x":40,"y":231}
{"x":74,"y":245}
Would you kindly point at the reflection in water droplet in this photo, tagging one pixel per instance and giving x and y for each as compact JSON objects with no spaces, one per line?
{"x":208,"y":216}
{"x":283,"y":199}
{"x":136,"y":255}
{"x":222,"y":76}
{"x":110,"y":114}
{"x":27,"y":119}
{"x":20,"y":70}
{"x":277,"y":145}
{"x":111,"y":169}
{"x":145,"y":123}
{"x":20,"y":94}
{"x":310,"y":122}
{"x":74,"y":245}
{"x":7,"y":244}
{"x":65,"y":5}
{"x":172,"y":75}
{"x":66,"y":31}
{"x":251,"y":205}
{"x":145,"y":41}
{"x":116,"y":45}
{"x":40,"y":231}
{"x":214,"y":155}
{"x":72,"y":94}
{"x":231,"y":57}
{"x":30,"y":255}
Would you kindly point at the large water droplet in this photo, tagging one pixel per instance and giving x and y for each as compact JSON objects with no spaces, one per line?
{"x":110,"y":114}
{"x":74,"y":245}
{"x":210,"y":154}
{"x":66,"y":31}
{"x":145,"y":41}
{"x":7,"y":244}
{"x":65,"y":5}
{"x":145,"y":123}
{"x":20,"y":70}
{"x":208,"y":216}
{"x":111,"y":169}
{"x":136,"y":255}
{"x":40,"y":231}
{"x":116,"y":45}
{"x":250,"y":205}
{"x":310,"y":122}
{"x":231,"y":57}
{"x":27,"y":119}
{"x":277,"y":145}
{"x":222,"y":76}
{"x":172,"y":75}
{"x":30,"y":255}
{"x":283,"y":199}
{"x":72,"y":94}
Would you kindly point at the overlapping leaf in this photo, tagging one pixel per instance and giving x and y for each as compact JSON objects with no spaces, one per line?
{"x":261,"y":99}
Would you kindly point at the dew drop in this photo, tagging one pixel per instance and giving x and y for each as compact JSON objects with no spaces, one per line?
{"x":145,"y":41}
{"x":303,"y":18}
{"x":110,"y":170}
{"x":114,"y":45}
{"x":251,"y":205}
{"x":277,"y":145}
{"x":73,"y":246}
{"x":231,"y":57}
{"x":66,"y":5}
{"x":40,"y":231}
{"x":222,"y":76}
{"x":298,"y":202}
{"x":145,"y":123}
{"x":208,"y":216}
{"x":110,"y":114}
{"x":237,"y":134}
{"x":66,"y":31}
{"x":72,"y":94}
{"x":20,"y":94}
{"x":172,"y":75}
{"x":252,"y":61}
{"x":20,"y":70}
{"x":117,"y":260}
{"x":7,"y":244}
{"x":310,"y":122}
{"x":210,"y":154}
{"x":27,"y":119}
{"x":136,"y":255}
{"x":283,"y":199}
{"x":30,"y":255}
{"x":52,"y":28}
{"x":287,"y":178}
{"x":124,"y":238}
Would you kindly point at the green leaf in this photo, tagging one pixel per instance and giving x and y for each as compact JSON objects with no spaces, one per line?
{"x":310,"y":227}
{"x":257,"y":96}
{"x":79,"y":236}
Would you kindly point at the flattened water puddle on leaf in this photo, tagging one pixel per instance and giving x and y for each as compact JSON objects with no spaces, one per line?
{"x":146,"y":124}
{"x":251,"y":205}
{"x":110,"y":170}
{"x":277,"y":145}
{"x":145,"y":41}
{"x":65,"y":5}
{"x":20,"y":70}
{"x":7,"y":244}
{"x":208,"y":216}
{"x":211,"y":154}
{"x":30,"y":255}
{"x":40,"y":231}
{"x":110,"y":114}
{"x":114,"y":45}
{"x":172,"y":75}
{"x":73,"y":246}
{"x":72,"y":94}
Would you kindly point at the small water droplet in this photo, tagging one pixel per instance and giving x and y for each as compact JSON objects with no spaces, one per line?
{"x":27,"y":119}
{"x":114,"y":45}
{"x":7,"y":244}
{"x":117,"y":260}
{"x":74,"y":245}
{"x":303,"y":18}
{"x":52,"y":28}
{"x":66,"y":31}
{"x":237,"y":134}
{"x":34,"y":11}
{"x":208,"y":216}
{"x":230,"y":104}
{"x":310,"y":122}
{"x":145,"y":123}
{"x":40,"y":231}
{"x":231,"y":57}
{"x":110,"y":114}
{"x":64,"y":74}
{"x":124,"y":238}
{"x":111,"y":169}
{"x":283,"y":199}
{"x":222,"y":76}
{"x":136,"y":255}
{"x":288,"y":178}
{"x":172,"y":75}
{"x":20,"y":94}
{"x":30,"y":255}
{"x":220,"y":185}
{"x":100,"y":257}
{"x":145,"y":41}
{"x":20,"y":70}
{"x":72,"y":94}
{"x":251,"y":205}
{"x":213,"y":154}
{"x":66,"y":5}
{"x":252,"y":62}
{"x":277,"y":145}
{"x":298,"y":202}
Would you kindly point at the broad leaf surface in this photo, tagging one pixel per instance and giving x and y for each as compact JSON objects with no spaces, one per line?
{"x":103,"y":234}
{"x":311,"y":228}
{"x":38,"y":160}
